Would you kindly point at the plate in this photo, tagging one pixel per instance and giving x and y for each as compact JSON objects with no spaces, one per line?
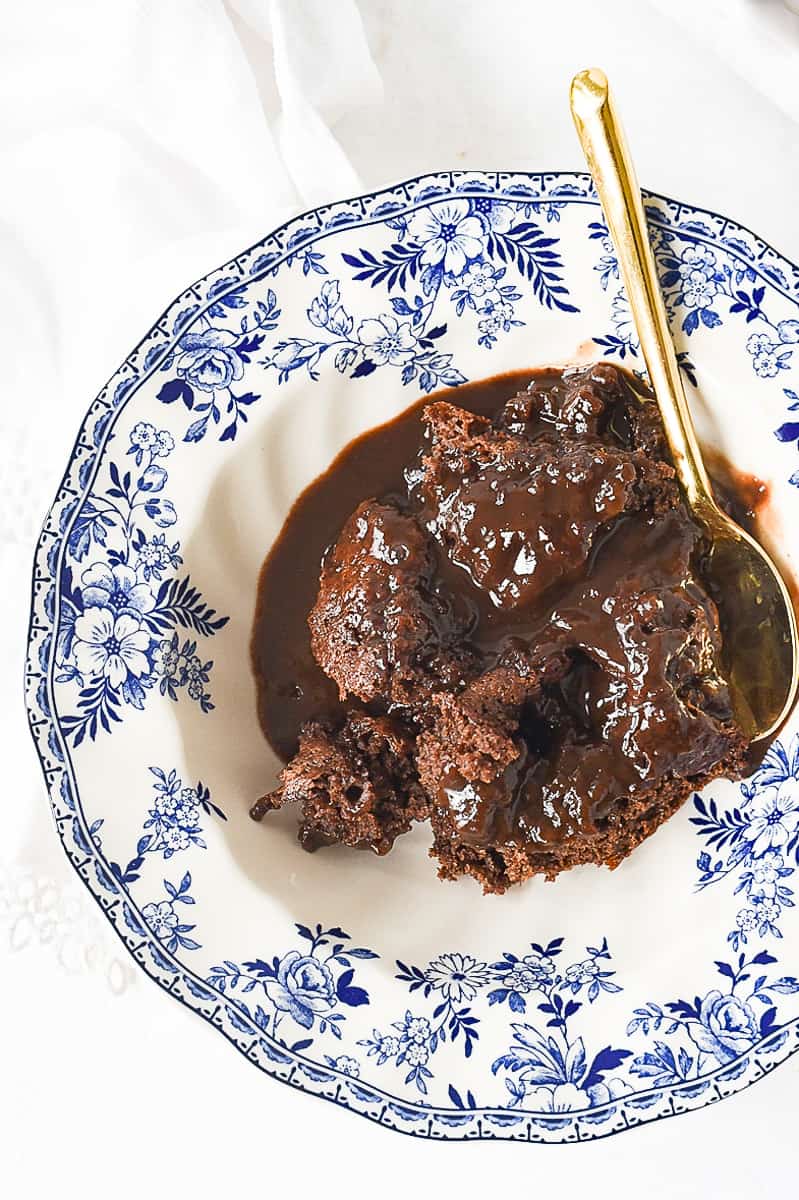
{"x":562,"y":1011}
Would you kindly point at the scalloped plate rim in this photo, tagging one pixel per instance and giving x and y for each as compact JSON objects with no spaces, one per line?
{"x":506,"y":1117}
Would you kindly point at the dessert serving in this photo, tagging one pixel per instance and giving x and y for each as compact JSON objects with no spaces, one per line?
{"x":517,"y":625}
{"x":490,"y":615}
{"x":519,"y":677}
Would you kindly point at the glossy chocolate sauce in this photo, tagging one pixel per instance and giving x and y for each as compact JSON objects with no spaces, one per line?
{"x":292,"y":688}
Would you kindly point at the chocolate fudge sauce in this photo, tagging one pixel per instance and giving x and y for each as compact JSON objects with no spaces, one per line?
{"x":292,"y":688}
{"x":490,"y":613}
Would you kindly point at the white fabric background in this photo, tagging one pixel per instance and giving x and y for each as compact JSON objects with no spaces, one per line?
{"x":142,"y":142}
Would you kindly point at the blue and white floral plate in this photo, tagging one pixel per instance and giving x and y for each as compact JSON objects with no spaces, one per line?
{"x":558,"y":1012}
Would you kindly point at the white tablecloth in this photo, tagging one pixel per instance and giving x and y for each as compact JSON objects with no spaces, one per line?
{"x":142,"y":142}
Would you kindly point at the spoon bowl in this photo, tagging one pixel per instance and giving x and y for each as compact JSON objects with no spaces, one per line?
{"x":758,"y":622}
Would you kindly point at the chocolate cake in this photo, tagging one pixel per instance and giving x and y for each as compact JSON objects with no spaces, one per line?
{"x":521,"y":644}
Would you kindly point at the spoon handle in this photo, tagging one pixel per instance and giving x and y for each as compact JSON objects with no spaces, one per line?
{"x":608,"y":158}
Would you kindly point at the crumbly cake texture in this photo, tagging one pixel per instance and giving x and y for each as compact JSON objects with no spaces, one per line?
{"x":528,"y":656}
{"x":357,"y":784}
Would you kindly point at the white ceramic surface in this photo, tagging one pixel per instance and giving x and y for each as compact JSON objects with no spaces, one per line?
{"x":367,"y":981}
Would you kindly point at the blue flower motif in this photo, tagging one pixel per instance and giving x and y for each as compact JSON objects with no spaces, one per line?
{"x":161,"y":918}
{"x":166,"y":803}
{"x":622,"y":319}
{"x":768,"y":909}
{"x":727,"y":1026}
{"x":766,"y":873}
{"x":698,"y":291}
{"x":304,"y":987}
{"x":208,"y":360}
{"x":697,"y":262}
{"x":164,"y":444}
{"x":109,"y":645}
{"x":144,"y":436}
{"x":387,"y":1047}
{"x":480,"y":280}
{"x":765,"y":357}
{"x":759,"y":840}
{"x":162,"y":915}
{"x":386,"y":340}
{"x":610,"y":1089}
{"x":497,"y":216}
{"x":416,"y":1029}
{"x":699,"y":283}
{"x":532,"y":972}
{"x":187,"y":811}
{"x":294,"y":353}
{"x":450,"y":234}
{"x":497,"y":316}
{"x":350,"y":1066}
{"x":175,"y":839}
{"x":145,"y":439}
{"x":416,"y":1054}
{"x":582,"y":972}
{"x":773,"y":817}
{"x":788,"y":332}
{"x":155,"y":557}
{"x":457,"y":976}
{"x":117,"y":588}
{"x":747,"y":920}
{"x":325,"y":311}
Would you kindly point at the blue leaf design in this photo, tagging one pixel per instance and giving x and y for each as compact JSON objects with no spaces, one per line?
{"x":691,"y":322}
{"x":789,"y":432}
{"x":787,"y":985}
{"x":196,"y":989}
{"x":176,"y":389}
{"x":351,"y":996}
{"x":237,"y":1021}
{"x":221,"y":285}
{"x":606,"y":1060}
{"x":301,"y":1014}
{"x":196,"y":431}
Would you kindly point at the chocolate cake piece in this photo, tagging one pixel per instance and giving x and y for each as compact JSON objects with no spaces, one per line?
{"x":526,"y":625}
{"x":594,"y":402}
{"x":519,"y":514}
{"x":380,"y":628}
{"x":596,"y":753}
{"x":357,"y":785}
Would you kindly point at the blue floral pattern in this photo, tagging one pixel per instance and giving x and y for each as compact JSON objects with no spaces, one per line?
{"x":554,"y":1065}
{"x":164,"y":918}
{"x":705,"y":285}
{"x":464,"y":248}
{"x":553,"y":1039}
{"x":757,"y":843}
{"x":701,"y":284}
{"x":208,"y":360}
{"x":119,"y":613}
{"x":717,"y":1029}
{"x":172,"y":824}
{"x":307,"y":986}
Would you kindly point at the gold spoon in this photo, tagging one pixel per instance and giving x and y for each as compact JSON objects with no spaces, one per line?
{"x":758,"y":622}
